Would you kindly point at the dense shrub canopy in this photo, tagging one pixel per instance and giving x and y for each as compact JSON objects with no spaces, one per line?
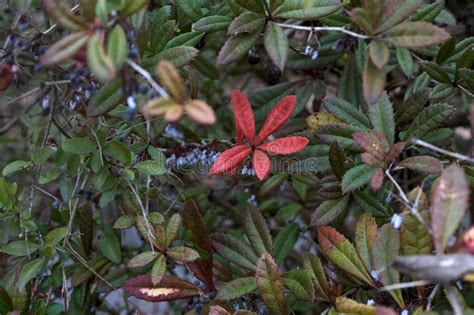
{"x":236,"y":157}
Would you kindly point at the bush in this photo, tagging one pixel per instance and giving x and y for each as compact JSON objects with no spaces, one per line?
{"x":235,"y":157}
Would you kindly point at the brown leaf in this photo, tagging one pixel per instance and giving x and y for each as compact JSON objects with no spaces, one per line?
{"x":171,"y":80}
{"x":168,"y":289}
{"x":373,"y":82}
{"x":6,"y":76}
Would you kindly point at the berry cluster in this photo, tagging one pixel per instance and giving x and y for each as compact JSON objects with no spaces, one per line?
{"x":202,"y":155}
{"x":83,"y":88}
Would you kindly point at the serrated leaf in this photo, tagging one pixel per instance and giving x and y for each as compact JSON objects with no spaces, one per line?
{"x":270,"y":285}
{"x":213,"y":23}
{"x":186,"y":39}
{"x":276,"y":44}
{"x":370,"y":204}
{"x":142,"y":259}
{"x":416,"y":35}
{"x":423,"y":163}
{"x":337,"y":159}
{"x":193,"y":221}
{"x":257,"y":231}
{"x":381,"y":117}
{"x":160,"y":37}
{"x":405,"y":60}
{"x":272,"y":183}
{"x":329,"y":210}
{"x":182,"y":253}
{"x":342,"y":253}
{"x":446,"y":50}
{"x":313,"y":265}
{"x":340,"y":133}
{"x":168,"y":289}
{"x":247,"y":22}
{"x":117,"y":47}
{"x":158,"y":270}
{"x":78,"y":145}
{"x":347,"y":112}
{"x":373,"y":82}
{"x":300,"y":284}
{"x":411,"y":107}
{"x":449,"y":203}
{"x":435,"y":71}
{"x":285,"y":240}
{"x":178,"y":56}
{"x":133,"y":6}
{"x":357,"y":177}
{"x":345,"y":305}
{"x":251,"y":5}
{"x":234,"y":250}
{"x":428,"y":119}
{"x":105,"y":99}
{"x":236,"y":47}
{"x":365,"y":234}
{"x":191,"y":9}
{"x":307,"y":10}
{"x":397,"y":11}
{"x":386,"y":249}
{"x":237,"y":288}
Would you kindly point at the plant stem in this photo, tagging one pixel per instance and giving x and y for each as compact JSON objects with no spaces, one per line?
{"x":147,"y":76}
{"x":324,"y":28}
{"x":455,"y":155}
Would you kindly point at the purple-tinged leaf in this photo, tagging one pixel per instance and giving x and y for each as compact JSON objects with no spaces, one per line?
{"x":416,"y":35}
{"x":423,"y":163}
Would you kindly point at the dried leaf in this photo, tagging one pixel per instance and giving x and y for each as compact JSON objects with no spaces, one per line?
{"x":168,"y":289}
{"x":200,"y":112}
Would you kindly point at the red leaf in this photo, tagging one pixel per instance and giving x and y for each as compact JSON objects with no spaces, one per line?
{"x":261,"y":164}
{"x":6,"y":76}
{"x":192,"y":220}
{"x":377,"y":180}
{"x":244,"y":120}
{"x":168,"y":289}
{"x":277,"y":117}
{"x":230,"y":159}
{"x":285,"y":145}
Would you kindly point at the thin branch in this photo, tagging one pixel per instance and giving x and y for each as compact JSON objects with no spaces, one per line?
{"x":147,"y":76}
{"x":453,"y":300}
{"x":324,"y":28}
{"x":455,"y":155}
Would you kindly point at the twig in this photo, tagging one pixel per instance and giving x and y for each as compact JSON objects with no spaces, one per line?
{"x":455,"y":155}
{"x":432,"y":296}
{"x":324,"y":28}
{"x":145,"y":216}
{"x":146,"y":75}
{"x":453,"y":300}
{"x":404,"y":285}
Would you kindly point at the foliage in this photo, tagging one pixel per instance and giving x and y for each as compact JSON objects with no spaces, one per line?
{"x":235,"y":157}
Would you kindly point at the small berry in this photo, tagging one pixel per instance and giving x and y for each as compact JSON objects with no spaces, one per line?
{"x":253,"y":57}
{"x":274,"y":76}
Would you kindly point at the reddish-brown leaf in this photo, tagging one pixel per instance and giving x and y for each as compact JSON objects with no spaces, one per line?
{"x":277,"y":117}
{"x":370,"y":160}
{"x":287,"y":145}
{"x":373,"y":82}
{"x":192,"y":220}
{"x":243,"y":116}
{"x":261,"y":164}
{"x":376,"y":181}
{"x":372,"y":142}
{"x":168,"y":289}
{"x":394,"y":152}
{"x":230,"y":159}
{"x":6,"y":76}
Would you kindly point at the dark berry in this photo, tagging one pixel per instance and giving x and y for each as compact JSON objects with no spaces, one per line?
{"x":274,"y":76}
{"x":253,"y":57}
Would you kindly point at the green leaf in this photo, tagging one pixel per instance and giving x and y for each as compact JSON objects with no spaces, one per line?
{"x":405,"y":60}
{"x":386,"y":249}
{"x":247,"y":22}
{"x":313,"y":265}
{"x":78,"y":145}
{"x":109,"y":245}
{"x":160,"y":37}
{"x":19,"y":248}
{"x":342,"y":253}
{"x":285,"y":240}
{"x":237,"y":288}
{"x":172,"y":228}
{"x":117,"y":47}
{"x":257,"y":231}
{"x":105,"y":99}
{"x":15,"y":166}
{"x":276,"y":44}
{"x":307,"y":9}
{"x":158,"y":270}
{"x":446,"y":50}
{"x":213,"y":23}
{"x":252,"y":5}
{"x":234,"y":250}
{"x":381,"y":117}
{"x":236,"y":47}
{"x":64,"y":49}
{"x":300,"y":284}
{"x":142,"y":259}
{"x":366,"y":231}
{"x":191,"y":9}
{"x":449,"y":203}
{"x":182,"y":253}
{"x":396,"y":12}
{"x":428,"y":12}
{"x":422,"y":163}
{"x":435,"y":71}
{"x":133,"y":6}
{"x":272,"y":183}
{"x":29,"y":271}
{"x":337,"y":159}
{"x":42,"y":155}
{"x":357,"y":177}
{"x":416,"y":35}
{"x":178,"y":56}
{"x":118,"y":151}
{"x":370,"y":204}
{"x":55,"y":236}
{"x":411,"y":107}
{"x":467,"y":78}
{"x":430,"y":118}
{"x":379,"y":53}
{"x":124,"y":222}
{"x":347,"y":112}
{"x":151,"y":168}
{"x":340,"y":133}
{"x":61,"y":13}
{"x":270,"y":285}
{"x":98,"y":61}
{"x":373,"y":82}
{"x":185,"y":39}
{"x":5,"y":301}
{"x":329,"y":210}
